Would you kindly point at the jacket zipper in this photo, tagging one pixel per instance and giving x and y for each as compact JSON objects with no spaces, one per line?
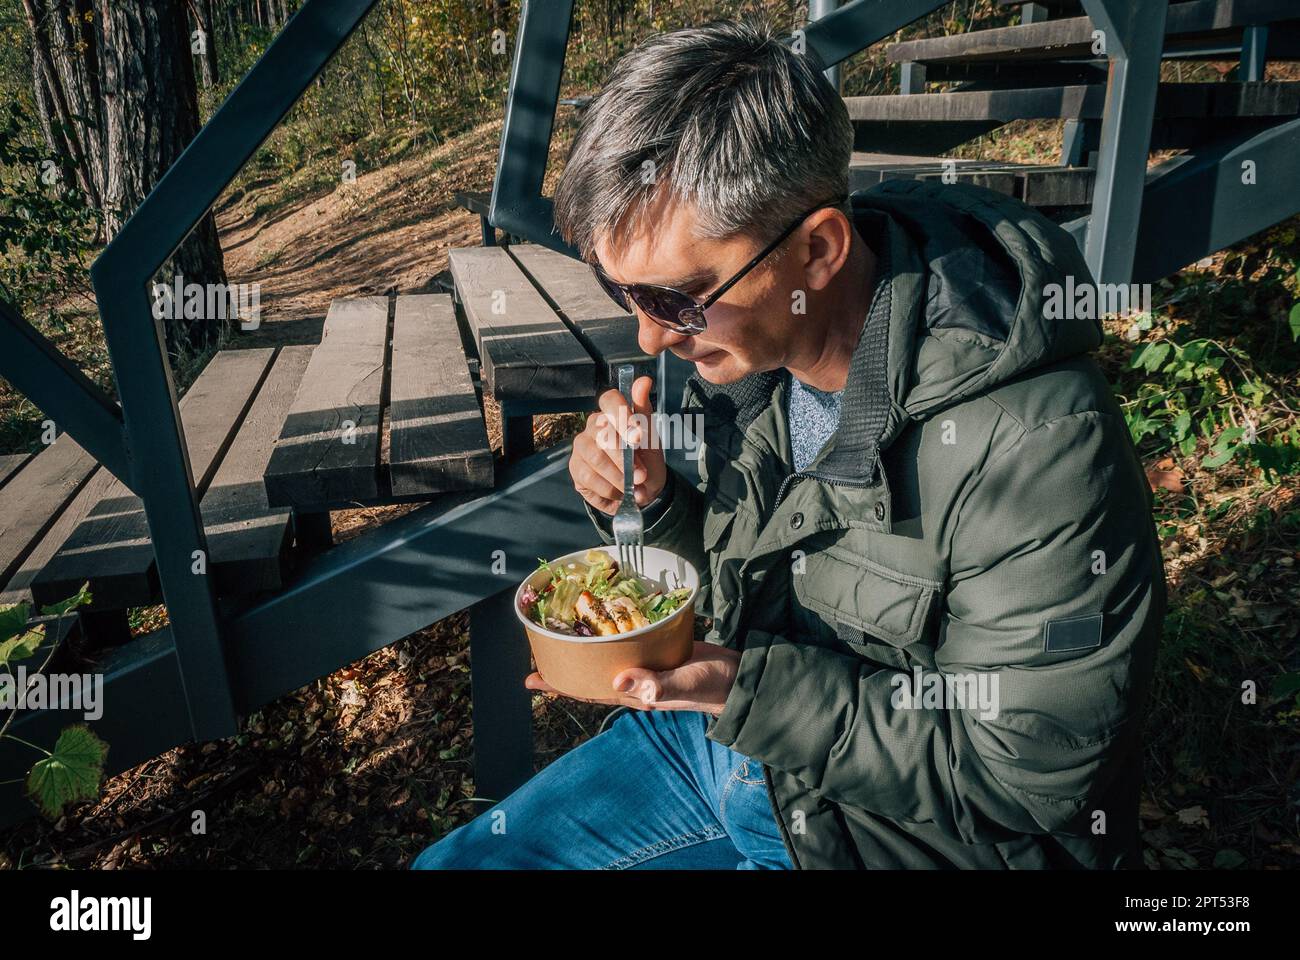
{"x":767,"y":771}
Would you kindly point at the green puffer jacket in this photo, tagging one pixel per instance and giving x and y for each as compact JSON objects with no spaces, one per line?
{"x":979,"y":517}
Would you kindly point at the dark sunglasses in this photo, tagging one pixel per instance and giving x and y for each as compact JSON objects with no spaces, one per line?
{"x":680,"y":312}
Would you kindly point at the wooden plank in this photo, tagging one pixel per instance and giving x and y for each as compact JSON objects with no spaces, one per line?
{"x":438,"y":440}
{"x":475,"y":201}
{"x":861,"y":159}
{"x":607,"y":331}
{"x":1036,"y":184}
{"x":18,"y":589}
{"x":1057,"y":186}
{"x":1002,"y":178}
{"x":1080,"y":102}
{"x":1190,"y":23}
{"x":30,"y":502}
{"x":10,"y":463}
{"x":110,"y":548}
{"x":525,"y":350}
{"x":246,"y":537}
{"x":1029,"y":73}
{"x":328,"y":451}
{"x":1048,"y":39}
{"x":935,"y":138}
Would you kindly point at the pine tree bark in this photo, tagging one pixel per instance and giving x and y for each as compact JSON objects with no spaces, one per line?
{"x":152,"y":114}
{"x":65,"y":69}
{"x":208,"y":66}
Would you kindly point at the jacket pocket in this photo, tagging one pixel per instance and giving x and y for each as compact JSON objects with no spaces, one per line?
{"x":878,"y":613}
{"x":723,"y":572}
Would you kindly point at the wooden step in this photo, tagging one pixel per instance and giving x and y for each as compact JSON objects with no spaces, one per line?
{"x":1054,"y":5}
{"x":328,"y":450}
{"x":1081,"y":102}
{"x":524,"y":348}
{"x":248,"y":540}
{"x":607,"y":331}
{"x":1039,"y":185}
{"x":331,"y":454}
{"x":10,"y":464}
{"x":1189,"y":26}
{"x":18,"y":588}
{"x":32,"y":499}
{"x":936,"y":122}
{"x":110,"y":548}
{"x":438,"y":440}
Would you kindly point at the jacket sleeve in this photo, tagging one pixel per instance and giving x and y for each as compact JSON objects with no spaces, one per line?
{"x":1055,"y":595}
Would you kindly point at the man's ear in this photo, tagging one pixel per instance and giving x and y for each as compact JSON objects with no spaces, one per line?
{"x":830,"y":238}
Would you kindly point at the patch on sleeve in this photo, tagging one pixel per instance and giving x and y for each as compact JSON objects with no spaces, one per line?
{"x":1073,"y":633}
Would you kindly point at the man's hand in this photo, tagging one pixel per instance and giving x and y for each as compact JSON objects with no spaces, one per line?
{"x":596,"y":463}
{"x":701,"y":683}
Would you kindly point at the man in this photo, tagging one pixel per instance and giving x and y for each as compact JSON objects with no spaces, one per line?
{"x":924,"y":536}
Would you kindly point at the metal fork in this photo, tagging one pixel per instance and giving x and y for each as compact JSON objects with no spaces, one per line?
{"x":628,"y":525}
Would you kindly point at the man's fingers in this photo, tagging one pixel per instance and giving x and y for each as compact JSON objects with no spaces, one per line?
{"x":638,"y":682}
{"x":534,"y":681}
{"x":608,"y":442}
{"x":637,"y":422}
{"x":592,"y":466}
{"x":641,"y":395}
{"x":600,"y":483}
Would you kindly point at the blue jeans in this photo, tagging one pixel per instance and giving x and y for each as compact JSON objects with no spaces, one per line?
{"x":650,"y":791}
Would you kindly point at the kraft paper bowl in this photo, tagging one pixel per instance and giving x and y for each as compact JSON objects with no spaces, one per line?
{"x":586,"y":666}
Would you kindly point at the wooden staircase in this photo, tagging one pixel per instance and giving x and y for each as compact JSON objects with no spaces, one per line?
{"x":1052,"y":66}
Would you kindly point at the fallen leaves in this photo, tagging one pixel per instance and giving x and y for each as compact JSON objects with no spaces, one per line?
{"x":1195,"y":816}
{"x":1166,"y":475}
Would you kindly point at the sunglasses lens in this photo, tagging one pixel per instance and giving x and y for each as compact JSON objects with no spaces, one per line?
{"x":691,"y":320}
{"x":614,"y":292}
{"x":666,"y":308}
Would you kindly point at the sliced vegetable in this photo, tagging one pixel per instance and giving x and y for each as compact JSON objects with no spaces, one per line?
{"x":593,"y":597}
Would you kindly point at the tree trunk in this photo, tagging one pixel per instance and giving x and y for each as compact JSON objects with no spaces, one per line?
{"x":208,"y":68}
{"x":65,"y":68}
{"x":151,"y":111}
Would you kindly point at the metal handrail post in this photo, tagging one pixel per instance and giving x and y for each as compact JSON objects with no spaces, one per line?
{"x":817,"y":10}
{"x":136,"y":344}
{"x":1134,"y":35}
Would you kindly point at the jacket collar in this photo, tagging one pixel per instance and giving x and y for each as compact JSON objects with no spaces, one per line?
{"x":870,"y":417}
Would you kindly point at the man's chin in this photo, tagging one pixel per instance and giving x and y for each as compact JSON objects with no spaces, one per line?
{"x":720,"y":369}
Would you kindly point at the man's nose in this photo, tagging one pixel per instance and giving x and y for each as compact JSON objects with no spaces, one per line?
{"x":653,"y":338}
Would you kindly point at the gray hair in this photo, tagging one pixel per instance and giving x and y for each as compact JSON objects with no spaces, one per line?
{"x":731,"y":121}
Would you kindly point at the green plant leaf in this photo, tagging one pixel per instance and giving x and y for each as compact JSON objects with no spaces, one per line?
{"x":1295,"y":322}
{"x":80,"y":599}
{"x":1227,"y":437}
{"x":71,"y":774}
{"x":13,"y":619}
{"x":1150,"y":356}
{"x":1218,"y":459}
{"x":1228,"y":860}
{"x":21,"y":647}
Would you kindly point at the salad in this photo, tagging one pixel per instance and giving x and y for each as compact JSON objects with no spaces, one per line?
{"x":592,"y":597}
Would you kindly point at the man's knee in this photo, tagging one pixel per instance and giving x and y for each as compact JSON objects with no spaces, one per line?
{"x":455,"y":851}
{"x":430,"y":858}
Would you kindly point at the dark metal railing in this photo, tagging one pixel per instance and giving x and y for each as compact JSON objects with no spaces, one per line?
{"x":143,"y":441}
